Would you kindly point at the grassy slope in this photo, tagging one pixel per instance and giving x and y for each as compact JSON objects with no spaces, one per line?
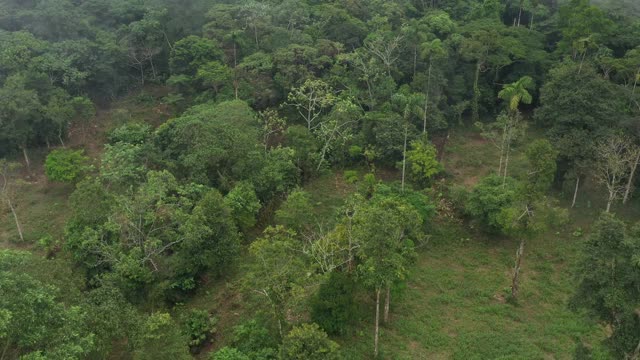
{"x":453,"y":304}
{"x":42,"y":206}
{"x":451,"y":307}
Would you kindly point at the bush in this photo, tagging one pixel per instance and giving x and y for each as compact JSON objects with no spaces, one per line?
{"x":333,"y":307}
{"x":308,"y":342}
{"x":131,"y":133}
{"x":254,"y":340}
{"x":198,"y":325}
{"x":244,"y":205}
{"x":64,"y":165}
{"x":489,"y":198}
{"x":227,"y":353}
{"x":351,"y":176}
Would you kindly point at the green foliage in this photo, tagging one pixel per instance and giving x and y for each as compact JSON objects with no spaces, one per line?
{"x":422,"y":159}
{"x":211,"y":239}
{"x":333,"y":308}
{"x":517,"y":92}
{"x":308,"y":342}
{"x":198,"y":326}
{"x":386,"y":230}
{"x":608,"y":276}
{"x":160,"y":338}
{"x":244,"y":205}
{"x":131,"y":133}
{"x":65,"y":165}
{"x":278,"y":272}
{"x":227,"y":353}
{"x":34,"y":320}
{"x":542,"y":166}
{"x":254,"y":340}
{"x":295,"y":213}
{"x":490,"y":198}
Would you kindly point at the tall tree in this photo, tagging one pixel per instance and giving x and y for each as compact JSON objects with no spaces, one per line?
{"x":613,"y":155}
{"x":386,"y":230}
{"x":608,"y":281}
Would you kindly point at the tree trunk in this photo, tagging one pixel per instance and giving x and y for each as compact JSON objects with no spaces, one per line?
{"x":515,"y":282}
{"x":255,"y":32}
{"x":415,"y":60}
{"x":531,"y":24}
{"x":520,"y":13}
{"x":476,"y":93}
{"x":15,"y":218}
{"x":5,"y":348}
{"x":235,"y":55}
{"x":426,"y":99}
{"x":575,"y":192}
{"x":636,"y":353}
{"x":235,"y":87}
{"x":609,"y":201}
{"x":404,"y":155}
{"x":506,"y":163}
{"x":377,"y":324}
{"x":584,"y":54}
{"x":387,"y":301}
{"x":153,"y":68}
{"x":26,"y":157}
{"x":142,"y":75}
{"x":630,"y":182}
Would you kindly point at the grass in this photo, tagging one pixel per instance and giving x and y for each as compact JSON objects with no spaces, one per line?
{"x":453,"y":304}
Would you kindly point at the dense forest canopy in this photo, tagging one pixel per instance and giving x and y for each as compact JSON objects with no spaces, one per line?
{"x":186,"y":140}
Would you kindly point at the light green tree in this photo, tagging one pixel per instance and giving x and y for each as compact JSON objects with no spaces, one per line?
{"x":386,"y":230}
{"x":517,"y":92}
{"x":308,"y":342}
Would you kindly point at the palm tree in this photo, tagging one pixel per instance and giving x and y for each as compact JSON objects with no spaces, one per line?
{"x":517,"y":92}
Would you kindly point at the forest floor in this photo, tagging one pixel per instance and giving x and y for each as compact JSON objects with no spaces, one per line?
{"x":453,"y":304}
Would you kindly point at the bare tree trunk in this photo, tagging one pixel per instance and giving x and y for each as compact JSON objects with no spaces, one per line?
{"x":609,"y":201}
{"x":404,"y":155}
{"x":531,"y":24}
{"x":15,"y":218}
{"x":377,"y":324}
{"x":515,"y":282}
{"x":26,"y":157}
{"x":520,"y":13}
{"x":575,"y":192}
{"x":630,"y":182}
{"x":506,"y":163}
{"x":426,"y":99}
{"x":235,"y":87}
{"x":584,"y":54}
{"x":153,"y":68}
{"x":387,"y":301}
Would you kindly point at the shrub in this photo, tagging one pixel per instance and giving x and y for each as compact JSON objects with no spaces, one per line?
{"x":308,"y":342}
{"x":227,"y":353}
{"x":64,"y":165}
{"x":198,"y":325}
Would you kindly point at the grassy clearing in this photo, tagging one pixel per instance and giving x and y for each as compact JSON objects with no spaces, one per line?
{"x":453,"y":305}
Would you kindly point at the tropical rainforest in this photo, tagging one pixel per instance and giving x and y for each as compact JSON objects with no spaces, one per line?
{"x":319,"y":179}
